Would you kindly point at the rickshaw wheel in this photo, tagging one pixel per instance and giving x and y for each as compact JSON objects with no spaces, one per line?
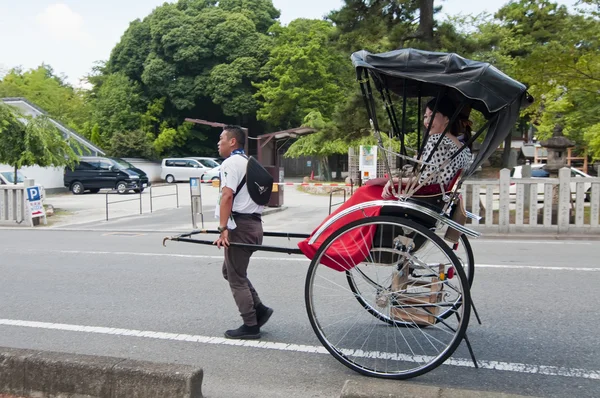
{"x":466,"y":257}
{"x":464,"y":254}
{"x":402,"y":333}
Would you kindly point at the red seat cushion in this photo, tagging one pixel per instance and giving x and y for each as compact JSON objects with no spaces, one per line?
{"x":355,"y":245}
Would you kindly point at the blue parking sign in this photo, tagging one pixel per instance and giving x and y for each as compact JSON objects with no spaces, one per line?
{"x":33,"y":194}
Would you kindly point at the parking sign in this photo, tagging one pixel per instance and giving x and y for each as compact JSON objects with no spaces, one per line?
{"x":195,"y":186}
{"x":34,"y":200}
{"x":33,"y":194}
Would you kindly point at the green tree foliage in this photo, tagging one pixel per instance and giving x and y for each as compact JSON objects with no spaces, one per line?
{"x":132,"y":144}
{"x":557,"y":54}
{"x":307,"y":74}
{"x":375,"y":25}
{"x":49,"y":92}
{"x":119,"y":105}
{"x":192,"y":58}
{"x":34,"y":141}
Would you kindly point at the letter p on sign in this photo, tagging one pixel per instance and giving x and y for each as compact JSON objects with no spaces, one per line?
{"x":33,"y":194}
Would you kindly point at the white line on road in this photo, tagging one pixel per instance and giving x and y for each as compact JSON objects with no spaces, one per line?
{"x":461,"y":362}
{"x":299,"y":259}
{"x":531,"y":242}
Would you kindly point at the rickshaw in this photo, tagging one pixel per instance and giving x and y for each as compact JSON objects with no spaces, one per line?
{"x":386,"y":293}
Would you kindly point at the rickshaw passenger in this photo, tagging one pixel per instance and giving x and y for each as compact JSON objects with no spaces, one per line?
{"x":459,"y":133}
{"x":375,"y":189}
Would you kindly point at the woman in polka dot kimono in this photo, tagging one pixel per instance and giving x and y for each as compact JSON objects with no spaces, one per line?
{"x":458,"y":133}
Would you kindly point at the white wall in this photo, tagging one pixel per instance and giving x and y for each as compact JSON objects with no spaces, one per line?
{"x":51,"y":178}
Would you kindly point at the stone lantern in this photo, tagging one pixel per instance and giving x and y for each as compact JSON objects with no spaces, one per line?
{"x":557,"y":147}
{"x":557,"y":150}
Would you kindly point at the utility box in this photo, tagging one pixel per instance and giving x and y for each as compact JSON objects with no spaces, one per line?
{"x":277,"y":193}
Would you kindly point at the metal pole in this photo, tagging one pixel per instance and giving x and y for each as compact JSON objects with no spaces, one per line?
{"x":201,"y":208}
{"x":150,"y":198}
{"x":177,"y":194}
{"x":107,"y":205}
{"x":140,"y":201}
{"x":192,"y":206}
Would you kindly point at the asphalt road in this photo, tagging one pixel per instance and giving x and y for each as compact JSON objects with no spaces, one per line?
{"x":67,"y":290}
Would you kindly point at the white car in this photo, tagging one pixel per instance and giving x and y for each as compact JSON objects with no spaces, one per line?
{"x":212,"y":175}
{"x":537,"y":171}
{"x":7,"y":177}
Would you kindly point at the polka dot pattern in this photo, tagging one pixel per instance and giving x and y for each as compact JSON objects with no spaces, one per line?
{"x":444,"y":151}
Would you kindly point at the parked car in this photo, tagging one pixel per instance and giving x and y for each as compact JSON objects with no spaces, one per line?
{"x":212,"y":175}
{"x":95,"y":173}
{"x":7,"y":176}
{"x":538,"y":171}
{"x":182,"y":169}
{"x":207,"y":162}
{"x":215,"y":172}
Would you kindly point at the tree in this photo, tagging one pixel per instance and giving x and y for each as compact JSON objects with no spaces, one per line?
{"x":322,"y":145}
{"x":132,"y":144}
{"x":198,"y":58}
{"x":33,"y":142}
{"x":318,"y":144}
{"x":50,"y":92}
{"x":118,"y":106}
{"x":557,"y":54}
{"x":307,"y":74}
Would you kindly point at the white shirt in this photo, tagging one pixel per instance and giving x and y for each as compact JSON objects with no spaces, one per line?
{"x":233,"y":169}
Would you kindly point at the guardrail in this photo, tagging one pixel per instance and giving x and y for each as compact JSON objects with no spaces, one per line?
{"x":139,"y":197}
{"x":113,"y":191}
{"x":331,"y":197}
{"x":176,"y":194}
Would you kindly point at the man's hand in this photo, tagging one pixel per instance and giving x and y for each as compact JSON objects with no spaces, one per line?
{"x":223,"y":239}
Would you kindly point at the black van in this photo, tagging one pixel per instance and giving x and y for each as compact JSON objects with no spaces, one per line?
{"x":95,"y":173}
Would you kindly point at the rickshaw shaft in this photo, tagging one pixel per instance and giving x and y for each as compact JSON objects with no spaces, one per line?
{"x":273,"y":249}
{"x":269,"y":234}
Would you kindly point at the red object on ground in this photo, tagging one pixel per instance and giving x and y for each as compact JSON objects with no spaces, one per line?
{"x":312,"y":175}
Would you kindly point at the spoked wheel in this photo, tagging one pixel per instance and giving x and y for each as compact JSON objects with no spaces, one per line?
{"x":465,"y":255}
{"x":382,"y":308}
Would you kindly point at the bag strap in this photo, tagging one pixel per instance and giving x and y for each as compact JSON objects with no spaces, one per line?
{"x":243,"y":182}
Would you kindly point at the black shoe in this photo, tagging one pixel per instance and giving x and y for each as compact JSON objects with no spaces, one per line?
{"x":244,"y":332}
{"x":263,"y":313}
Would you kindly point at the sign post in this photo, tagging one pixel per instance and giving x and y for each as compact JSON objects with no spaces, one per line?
{"x":196,"y":199}
{"x":34,"y":203}
{"x":367,"y":162}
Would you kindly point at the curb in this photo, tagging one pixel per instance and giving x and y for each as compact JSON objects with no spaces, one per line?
{"x":401,"y":389}
{"x":44,"y":374}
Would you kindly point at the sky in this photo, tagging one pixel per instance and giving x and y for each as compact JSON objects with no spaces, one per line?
{"x":71,"y":35}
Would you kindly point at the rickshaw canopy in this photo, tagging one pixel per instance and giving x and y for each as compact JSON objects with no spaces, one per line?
{"x":417,"y":73}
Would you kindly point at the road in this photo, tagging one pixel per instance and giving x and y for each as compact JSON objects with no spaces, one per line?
{"x":123,"y":294}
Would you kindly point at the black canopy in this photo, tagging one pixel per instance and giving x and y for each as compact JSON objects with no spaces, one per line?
{"x":416,"y":73}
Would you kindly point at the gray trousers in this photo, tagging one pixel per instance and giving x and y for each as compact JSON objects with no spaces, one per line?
{"x":249,"y":230}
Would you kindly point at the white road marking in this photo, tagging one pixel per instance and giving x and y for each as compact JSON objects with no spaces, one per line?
{"x":294,"y":259}
{"x":461,"y":362}
{"x":532,"y":242}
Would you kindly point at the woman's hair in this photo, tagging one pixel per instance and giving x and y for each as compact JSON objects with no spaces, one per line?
{"x":461,"y":127}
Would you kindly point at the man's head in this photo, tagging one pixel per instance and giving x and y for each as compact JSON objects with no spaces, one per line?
{"x":232,"y":137}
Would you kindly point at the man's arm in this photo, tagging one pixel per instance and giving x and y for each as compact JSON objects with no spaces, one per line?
{"x":225,"y":206}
